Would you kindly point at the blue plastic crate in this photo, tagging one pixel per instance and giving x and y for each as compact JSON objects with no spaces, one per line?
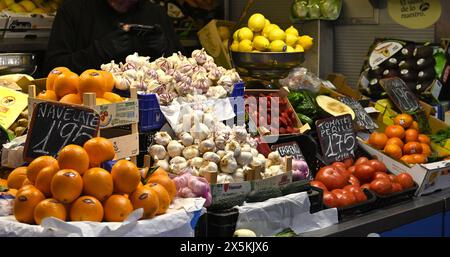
{"x":237,"y":101}
{"x":238,"y":89}
{"x":150,"y":115}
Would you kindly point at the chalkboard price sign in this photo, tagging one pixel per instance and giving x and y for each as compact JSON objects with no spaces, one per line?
{"x":400,"y":94}
{"x":55,"y":125}
{"x":363,"y":119}
{"x":288,"y":149}
{"x":337,"y":138}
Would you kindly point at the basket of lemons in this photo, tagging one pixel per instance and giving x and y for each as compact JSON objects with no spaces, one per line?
{"x":263,"y":50}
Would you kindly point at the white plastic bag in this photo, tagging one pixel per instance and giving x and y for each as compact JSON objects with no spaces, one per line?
{"x":12,"y":153}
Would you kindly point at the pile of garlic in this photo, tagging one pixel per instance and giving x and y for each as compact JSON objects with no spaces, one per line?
{"x":211,"y":146}
{"x":174,"y":76}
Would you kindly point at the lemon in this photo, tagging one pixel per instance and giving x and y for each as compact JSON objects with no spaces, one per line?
{"x":277,"y":34}
{"x":256,"y":51}
{"x":245,"y":33}
{"x":291,"y":30}
{"x":305,"y":41}
{"x":267,"y":29}
{"x":299,"y":48}
{"x":224,"y":32}
{"x":267,"y":23}
{"x":261,"y":43}
{"x":245,"y":46}
{"x":256,"y":34}
{"x":235,"y":35}
{"x":289,"y":49}
{"x":278,"y":46}
{"x":291,"y":39}
{"x":256,"y":22}
{"x":235,"y":46}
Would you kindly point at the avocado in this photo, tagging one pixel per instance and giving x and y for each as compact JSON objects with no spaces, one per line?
{"x":412,"y":86}
{"x":389,"y":73}
{"x":391,"y":63}
{"x":409,"y":64}
{"x":408,"y":75}
{"x":423,"y":52}
{"x":375,"y":73}
{"x":424,"y":63}
{"x":333,"y":107}
{"x":407,"y":51}
{"x":427,"y":74}
{"x":423,"y":86}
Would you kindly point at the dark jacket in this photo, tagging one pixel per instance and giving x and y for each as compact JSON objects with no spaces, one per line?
{"x":80,"y":25}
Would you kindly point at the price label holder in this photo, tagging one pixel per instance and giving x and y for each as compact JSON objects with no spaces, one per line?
{"x":337,"y":138}
{"x":363,"y":120}
{"x":55,"y":125}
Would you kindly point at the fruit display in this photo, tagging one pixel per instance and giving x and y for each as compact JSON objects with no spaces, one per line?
{"x":262,"y":36}
{"x":403,"y":141}
{"x":343,"y":182}
{"x":287,"y":122}
{"x":316,"y":9}
{"x":67,"y":87}
{"x":174,"y":77}
{"x":30,"y":6}
{"x":73,"y":187}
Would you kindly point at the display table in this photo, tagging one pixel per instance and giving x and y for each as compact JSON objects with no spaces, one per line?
{"x":423,"y":216}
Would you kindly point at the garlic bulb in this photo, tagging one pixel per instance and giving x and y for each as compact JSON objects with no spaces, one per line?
{"x":177,"y":164}
{"x":221,"y":153}
{"x":274,"y":158}
{"x":220,"y":142}
{"x":223,"y":178}
{"x":199,"y":56}
{"x":246,"y":148}
{"x":240,"y":134}
{"x":212,"y":157}
{"x":197,"y":117}
{"x":195,"y":162}
{"x":163,"y":164}
{"x":233,"y":147}
{"x":254,"y":152}
{"x":208,"y":167}
{"x":238,"y":176}
{"x":216,"y":92}
{"x":262,"y":160}
{"x":186,"y":139}
{"x":228,"y":163}
{"x":208,"y":119}
{"x":191,"y":152}
{"x":174,"y":148}
{"x":158,"y":152}
{"x":207,"y":145}
{"x":245,"y":158}
{"x":200,"y":132}
{"x":274,"y":171}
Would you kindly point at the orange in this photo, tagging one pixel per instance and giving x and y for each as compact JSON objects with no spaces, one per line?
{"x":99,"y":150}
{"x":426,"y":150}
{"x":147,"y":199}
{"x":44,"y":179}
{"x":73,"y":157}
{"x":407,"y":159}
{"x":126,"y":176}
{"x":167,"y":183}
{"x":24,"y":187}
{"x":25,"y":203}
{"x":140,"y":185}
{"x":117,"y":208}
{"x":415,"y":125}
{"x":16,"y":177}
{"x":395,"y":131}
{"x":109,"y":80}
{"x":52,"y":75}
{"x":378,"y":140}
{"x":422,"y":138}
{"x":27,"y":182}
{"x":48,"y":95}
{"x":66,"y":185}
{"x":98,"y":183}
{"x":163,"y":197}
{"x":113,"y":98}
{"x":86,"y":208}
{"x":419,"y":158}
{"x":49,"y":208}
{"x":71,"y":99}
{"x":101,"y":101}
{"x":412,"y":148}
{"x":92,"y":81}
{"x":3,"y":182}
{"x":38,"y":164}
{"x":411,"y":135}
{"x":394,"y":151}
{"x":404,"y":120}
{"x":159,"y":172}
{"x":395,"y":141}
{"x":12,"y":191}
{"x":66,"y":83}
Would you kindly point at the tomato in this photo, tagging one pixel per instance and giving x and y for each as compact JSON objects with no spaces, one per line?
{"x":366,"y":186}
{"x":348,"y":162}
{"x":379,"y":174}
{"x":392,"y":178}
{"x":318,"y":184}
{"x":381,"y":186}
{"x":377,"y":165}
{"x":329,"y":199}
{"x":339,"y":164}
{"x":396,"y":187}
{"x":361,"y":160}
{"x":342,"y":169}
{"x":364,"y":172}
{"x":353,"y":180}
{"x":357,"y":192}
{"x":351,"y":169}
{"x":344,"y":198}
{"x":331,"y":177}
{"x":405,"y":180}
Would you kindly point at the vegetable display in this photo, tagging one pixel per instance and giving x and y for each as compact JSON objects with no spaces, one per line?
{"x":316,"y":9}
{"x":304,"y":105}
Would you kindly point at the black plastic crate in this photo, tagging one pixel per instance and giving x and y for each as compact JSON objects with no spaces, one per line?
{"x":397,"y":197}
{"x":221,"y":223}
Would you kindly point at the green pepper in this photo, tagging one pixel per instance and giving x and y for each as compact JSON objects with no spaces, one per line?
{"x":305,"y":119}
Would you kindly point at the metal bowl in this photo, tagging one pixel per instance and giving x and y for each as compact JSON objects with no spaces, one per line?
{"x":266,"y":65}
{"x":11,"y":63}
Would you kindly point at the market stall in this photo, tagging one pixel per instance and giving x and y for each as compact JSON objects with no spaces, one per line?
{"x":237,"y":138}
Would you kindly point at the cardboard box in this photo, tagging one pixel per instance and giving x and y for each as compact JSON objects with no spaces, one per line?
{"x":21,"y":25}
{"x":210,"y":39}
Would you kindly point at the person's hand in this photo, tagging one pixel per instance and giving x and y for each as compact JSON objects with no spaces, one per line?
{"x":153,"y":43}
{"x":117,"y":44}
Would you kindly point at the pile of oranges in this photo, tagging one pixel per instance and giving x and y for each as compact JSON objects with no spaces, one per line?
{"x":66,"y":86}
{"x":403,"y":141}
{"x":74,"y":187}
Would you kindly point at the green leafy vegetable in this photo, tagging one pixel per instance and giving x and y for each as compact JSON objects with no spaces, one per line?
{"x":441,"y":137}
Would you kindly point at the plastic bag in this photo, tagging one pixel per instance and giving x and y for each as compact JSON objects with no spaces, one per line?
{"x":6,"y":204}
{"x":301,"y":78}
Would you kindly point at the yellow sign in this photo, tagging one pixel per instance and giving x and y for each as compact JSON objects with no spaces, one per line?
{"x":415,"y":14}
{"x":12,"y":103}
